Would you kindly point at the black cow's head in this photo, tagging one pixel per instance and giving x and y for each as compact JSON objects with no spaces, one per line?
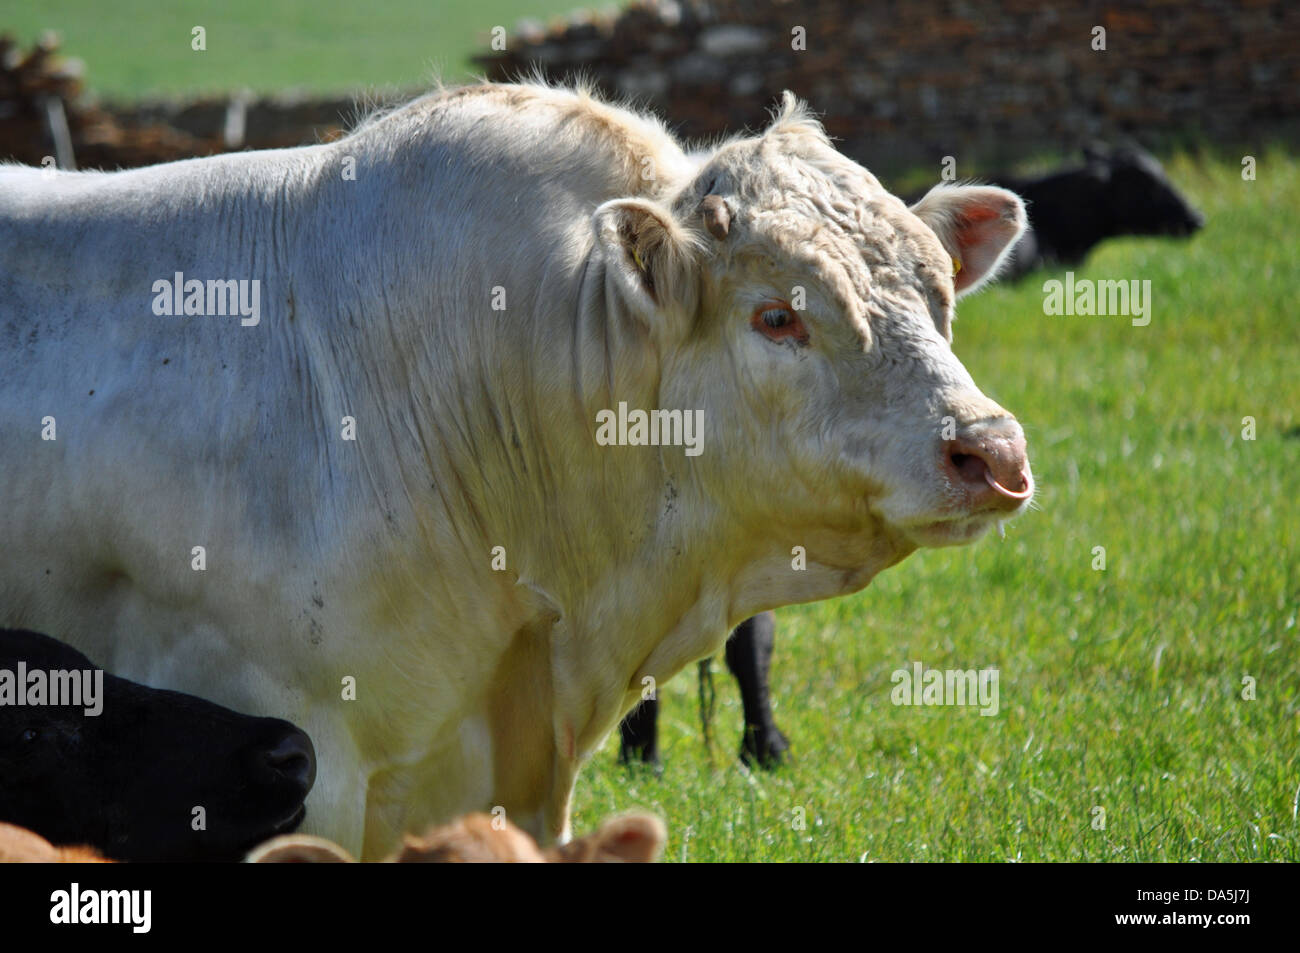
{"x":128,"y":780}
{"x":1138,"y":195}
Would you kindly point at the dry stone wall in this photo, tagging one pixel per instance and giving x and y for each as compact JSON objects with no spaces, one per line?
{"x":908,"y":80}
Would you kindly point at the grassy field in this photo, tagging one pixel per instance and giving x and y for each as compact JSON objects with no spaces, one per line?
{"x":137,"y":47}
{"x":1119,"y":689}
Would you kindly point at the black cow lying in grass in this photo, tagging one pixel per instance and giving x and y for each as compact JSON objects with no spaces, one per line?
{"x":124,"y":767}
{"x":1121,"y":191}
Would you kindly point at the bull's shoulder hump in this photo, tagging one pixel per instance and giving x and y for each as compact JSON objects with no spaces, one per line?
{"x":535,"y":116}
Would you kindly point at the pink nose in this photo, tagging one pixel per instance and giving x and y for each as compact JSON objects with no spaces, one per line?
{"x":988,"y":461}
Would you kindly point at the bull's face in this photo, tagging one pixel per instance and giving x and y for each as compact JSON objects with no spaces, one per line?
{"x":811,"y":317}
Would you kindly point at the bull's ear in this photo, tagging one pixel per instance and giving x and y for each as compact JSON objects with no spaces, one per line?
{"x":649,"y":255}
{"x":977,"y":224}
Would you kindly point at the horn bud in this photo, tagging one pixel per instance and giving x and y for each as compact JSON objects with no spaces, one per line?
{"x":717,"y":217}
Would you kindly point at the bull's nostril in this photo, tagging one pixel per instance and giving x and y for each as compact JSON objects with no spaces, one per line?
{"x":970,"y":467}
{"x":987,"y":466}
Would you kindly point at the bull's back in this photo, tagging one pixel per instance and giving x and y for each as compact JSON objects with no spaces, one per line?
{"x":128,"y":437}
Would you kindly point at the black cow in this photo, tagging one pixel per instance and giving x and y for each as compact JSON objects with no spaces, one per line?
{"x":126,"y":781}
{"x":1121,"y":191}
{"x":749,"y":657}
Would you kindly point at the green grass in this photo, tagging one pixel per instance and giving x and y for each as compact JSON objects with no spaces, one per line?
{"x":137,"y":47}
{"x":1119,"y":689}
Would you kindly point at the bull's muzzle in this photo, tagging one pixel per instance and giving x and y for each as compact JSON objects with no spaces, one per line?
{"x":987,"y":461}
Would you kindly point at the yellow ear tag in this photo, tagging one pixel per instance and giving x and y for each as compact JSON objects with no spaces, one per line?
{"x":956,"y":267}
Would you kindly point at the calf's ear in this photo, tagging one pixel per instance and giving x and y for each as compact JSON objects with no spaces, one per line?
{"x":650,"y":257}
{"x":633,"y":838}
{"x":977,"y":225}
{"x":636,"y":838}
{"x":298,"y":849}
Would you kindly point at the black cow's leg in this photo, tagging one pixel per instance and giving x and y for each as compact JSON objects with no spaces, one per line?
{"x":749,"y":657}
{"x":640,"y":734}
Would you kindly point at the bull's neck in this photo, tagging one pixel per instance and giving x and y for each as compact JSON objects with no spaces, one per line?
{"x":484,"y":422}
{"x":520,"y":489}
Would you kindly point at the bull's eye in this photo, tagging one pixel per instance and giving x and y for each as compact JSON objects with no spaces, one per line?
{"x":777,"y":321}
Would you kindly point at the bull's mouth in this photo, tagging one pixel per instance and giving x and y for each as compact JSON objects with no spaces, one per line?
{"x":966,"y":522}
{"x":955,"y":531}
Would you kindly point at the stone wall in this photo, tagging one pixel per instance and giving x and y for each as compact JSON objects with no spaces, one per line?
{"x":910,"y":80}
{"x":898,"y":82}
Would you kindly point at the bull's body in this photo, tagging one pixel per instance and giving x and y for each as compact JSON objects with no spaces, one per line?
{"x":370,"y":562}
{"x":325,"y":558}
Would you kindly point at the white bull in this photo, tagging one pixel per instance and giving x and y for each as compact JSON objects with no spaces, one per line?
{"x":385,"y":440}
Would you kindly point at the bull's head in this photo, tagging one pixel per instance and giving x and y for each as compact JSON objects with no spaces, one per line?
{"x":809,"y":312}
